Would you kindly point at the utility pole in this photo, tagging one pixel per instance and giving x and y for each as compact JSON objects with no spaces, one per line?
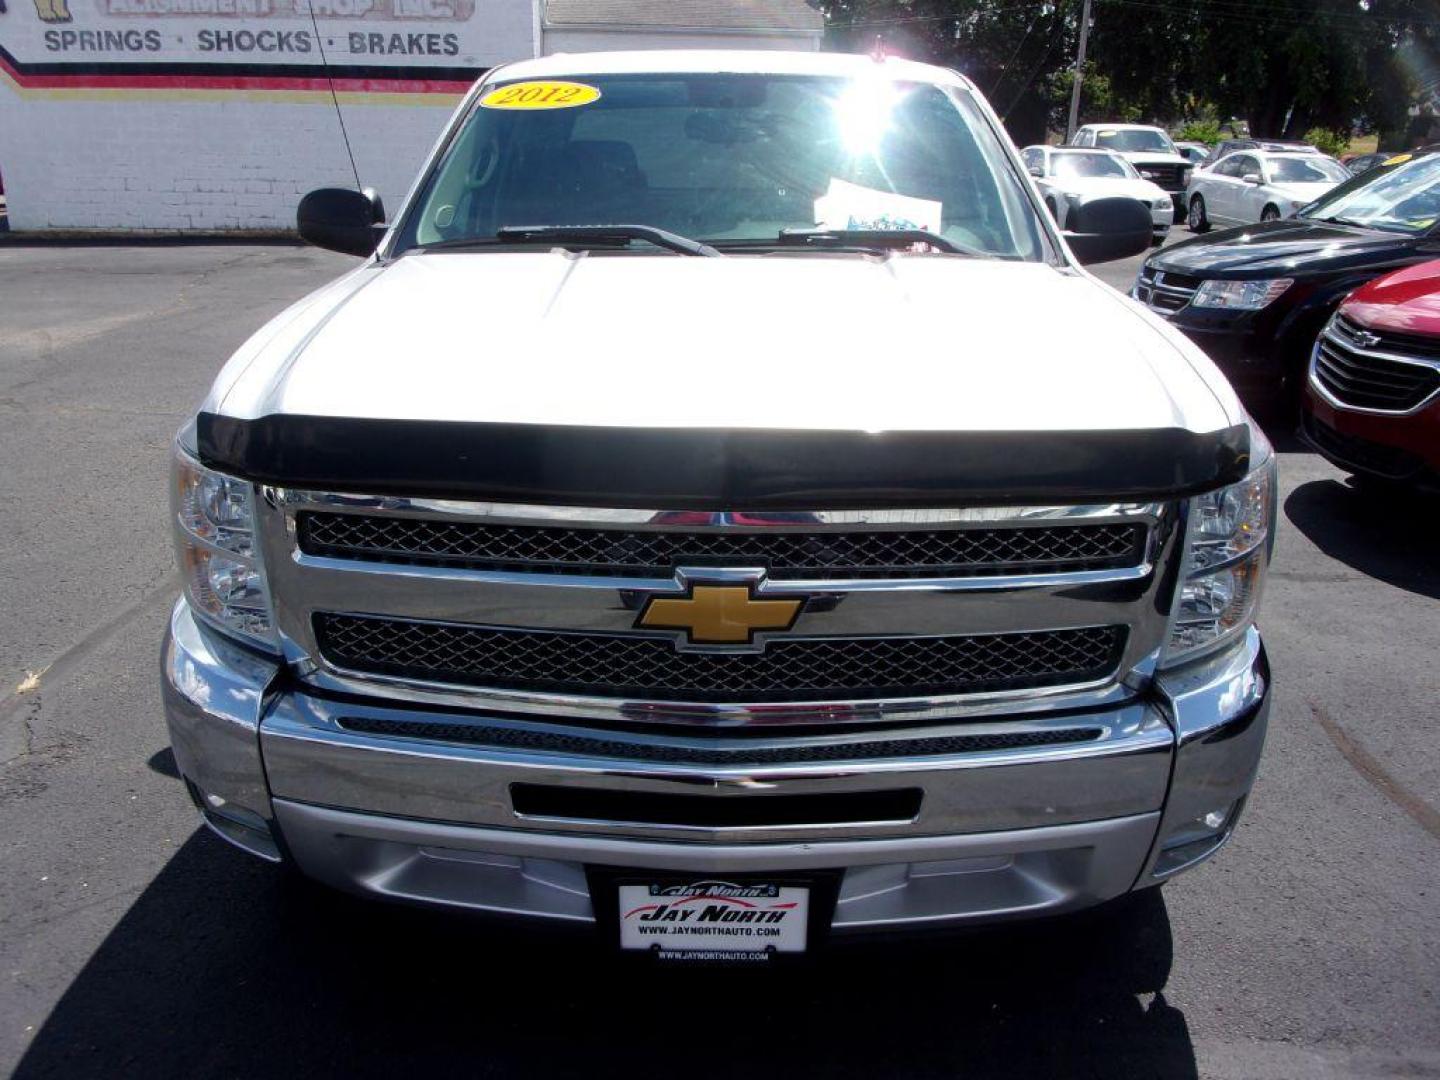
{"x":1079,"y":74}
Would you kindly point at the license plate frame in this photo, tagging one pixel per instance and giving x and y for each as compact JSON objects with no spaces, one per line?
{"x":608,"y":885}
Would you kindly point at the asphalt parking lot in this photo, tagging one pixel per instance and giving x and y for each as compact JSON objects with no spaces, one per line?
{"x":135,"y":944}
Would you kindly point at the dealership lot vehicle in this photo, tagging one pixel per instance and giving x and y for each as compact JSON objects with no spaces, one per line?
{"x":1149,"y":149}
{"x":1281,"y":957}
{"x":1372,"y":404}
{"x":1254,"y":185}
{"x":1069,"y":178}
{"x":1360,"y":163}
{"x":1193,"y":152}
{"x":1226,"y":147}
{"x":618,"y":651}
{"x":1255,"y":298}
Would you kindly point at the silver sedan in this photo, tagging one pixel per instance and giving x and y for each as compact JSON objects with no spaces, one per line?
{"x":1247,"y":186}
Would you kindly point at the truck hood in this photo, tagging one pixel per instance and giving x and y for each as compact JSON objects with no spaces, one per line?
{"x":801,"y":342}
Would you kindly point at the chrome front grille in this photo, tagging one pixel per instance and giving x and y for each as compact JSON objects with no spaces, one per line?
{"x":799,"y":554}
{"x":633,"y":665}
{"x":905,"y":615}
{"x":1376,"y":372}
{"x":1165,"y":292}
{"x":1169,"y":177}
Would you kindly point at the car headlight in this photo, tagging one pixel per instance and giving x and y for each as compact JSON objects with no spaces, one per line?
{"x":1227,"y":551}
{"x":1240,"y":295}
{"x":1163,"y":204}
{"x":222,"y":575}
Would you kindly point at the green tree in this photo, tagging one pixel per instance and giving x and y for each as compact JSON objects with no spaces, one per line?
{"x":1285,"y":66}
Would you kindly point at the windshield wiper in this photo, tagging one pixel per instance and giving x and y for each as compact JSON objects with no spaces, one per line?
{"x":574,"y":236}
{"x":602,"y":235}
{"x":1344,"y":221}
{"x":878,"y":238}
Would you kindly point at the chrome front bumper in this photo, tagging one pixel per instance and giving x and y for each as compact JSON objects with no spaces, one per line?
{"x":1041,"y":826}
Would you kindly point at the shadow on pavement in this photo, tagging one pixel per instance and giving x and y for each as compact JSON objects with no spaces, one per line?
{"x":224,"y":967}
{"x":1386,"y":535}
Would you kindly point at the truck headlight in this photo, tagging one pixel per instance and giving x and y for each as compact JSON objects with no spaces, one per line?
{"x":220,"y":566}
{"x":1240,"y":295}
{"x":1227,"y":551}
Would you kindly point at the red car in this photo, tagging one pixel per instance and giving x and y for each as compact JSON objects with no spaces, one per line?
{"x":1372,"y":401}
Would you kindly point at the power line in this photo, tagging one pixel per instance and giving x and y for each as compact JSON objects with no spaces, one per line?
{"x":1227,"y":10}
{"x":335,"y":100}
{"x":954,"y":16}
{"x":1238,"y":11}
{"x":1013,"y":56}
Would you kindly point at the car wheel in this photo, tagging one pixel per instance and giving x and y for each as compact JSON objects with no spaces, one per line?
{"x":1270,"y":213}
{"x":1196,"y":219}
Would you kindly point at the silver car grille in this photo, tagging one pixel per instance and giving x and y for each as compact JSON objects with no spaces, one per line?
{"x":904,"y":615}
{"x":1391,"y":373}
{"x":1165,"y":292}
{"x":1167,"y":176}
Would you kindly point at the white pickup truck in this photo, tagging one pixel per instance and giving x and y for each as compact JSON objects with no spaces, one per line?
{"x":678,"y":523}
{"x":1155,"y":157}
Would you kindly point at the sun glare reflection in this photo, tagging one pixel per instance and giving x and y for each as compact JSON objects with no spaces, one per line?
{"x":862,"y":113}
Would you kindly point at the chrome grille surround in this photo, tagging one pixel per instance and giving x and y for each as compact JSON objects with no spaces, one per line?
{"x":628,"y":552}
{"x":1017,"y":601}
{"x":1389,"y":375}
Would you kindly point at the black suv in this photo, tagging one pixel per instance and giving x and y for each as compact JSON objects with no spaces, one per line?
{"x":1255,"y":298}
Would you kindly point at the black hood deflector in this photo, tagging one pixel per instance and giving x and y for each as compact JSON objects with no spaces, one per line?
{"x":720,"y":469}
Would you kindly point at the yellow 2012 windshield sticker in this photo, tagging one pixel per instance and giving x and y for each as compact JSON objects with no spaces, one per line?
{"x":540,"y":95}
{"x":1398,"y":159}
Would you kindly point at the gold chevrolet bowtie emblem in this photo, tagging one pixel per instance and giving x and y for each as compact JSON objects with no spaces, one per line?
{"x":719,"y":614}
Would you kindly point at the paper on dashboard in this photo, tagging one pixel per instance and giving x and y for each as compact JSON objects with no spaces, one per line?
{"x":850,"y":206}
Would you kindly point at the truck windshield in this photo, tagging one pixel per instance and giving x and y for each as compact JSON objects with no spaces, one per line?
{"x":1135,"y":141}
{"x":727,"y":159}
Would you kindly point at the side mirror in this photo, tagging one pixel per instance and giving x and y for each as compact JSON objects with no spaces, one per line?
{"x":377,"y":205}
{"x":1108,"y":229}
{"x":1253,"y":178}
{"x":339,"y":219}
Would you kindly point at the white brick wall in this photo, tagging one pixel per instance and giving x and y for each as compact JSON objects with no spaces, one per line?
{"x":142,"y":163}
{"x":168,"y":158}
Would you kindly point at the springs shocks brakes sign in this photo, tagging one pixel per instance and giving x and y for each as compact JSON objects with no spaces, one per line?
{"x":714,"y":919}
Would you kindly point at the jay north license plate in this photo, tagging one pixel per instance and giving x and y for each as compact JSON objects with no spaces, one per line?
{"x":714,"y":920}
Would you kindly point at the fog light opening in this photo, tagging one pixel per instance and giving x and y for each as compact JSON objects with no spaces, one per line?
{"x":1196,"y":839}
{"x":230,"y":821}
